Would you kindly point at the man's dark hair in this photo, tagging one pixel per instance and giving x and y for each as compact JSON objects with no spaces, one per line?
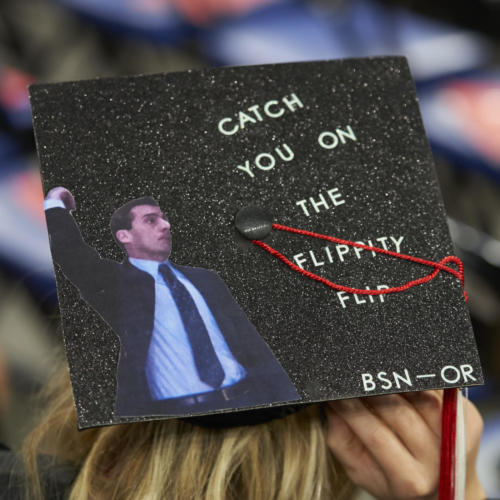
{"x":122,"y":218}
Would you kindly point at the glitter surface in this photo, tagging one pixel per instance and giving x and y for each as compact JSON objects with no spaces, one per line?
{"x":356,"y":142}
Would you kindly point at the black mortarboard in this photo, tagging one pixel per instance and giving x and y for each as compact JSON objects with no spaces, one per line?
{"x":335,"y":148}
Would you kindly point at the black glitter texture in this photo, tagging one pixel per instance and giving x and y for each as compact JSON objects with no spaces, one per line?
{"x":112,"y":140}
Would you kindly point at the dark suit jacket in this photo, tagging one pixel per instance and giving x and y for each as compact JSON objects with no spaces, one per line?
{"x":125,"y":297}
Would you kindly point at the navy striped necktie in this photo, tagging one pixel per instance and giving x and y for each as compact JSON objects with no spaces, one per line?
{"x":206,"y":361}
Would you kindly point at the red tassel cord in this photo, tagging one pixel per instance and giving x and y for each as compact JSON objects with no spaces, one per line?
{"x":447,"y":479}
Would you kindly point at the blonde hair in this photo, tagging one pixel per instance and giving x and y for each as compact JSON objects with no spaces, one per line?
{"x":284,"y":459}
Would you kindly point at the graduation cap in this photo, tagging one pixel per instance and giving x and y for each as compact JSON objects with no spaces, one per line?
{"x":292,"y":248}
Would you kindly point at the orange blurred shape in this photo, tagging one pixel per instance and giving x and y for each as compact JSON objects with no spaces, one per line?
{"x":26,"y":189}
{"x":478,"y":105}
{"x":205,"y":11}
{"x":13,"y":87}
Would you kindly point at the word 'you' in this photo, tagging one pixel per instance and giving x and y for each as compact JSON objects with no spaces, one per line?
{"x":268,"y":160}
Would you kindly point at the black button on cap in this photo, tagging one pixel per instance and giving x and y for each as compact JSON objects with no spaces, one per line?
{"x":253,"y":223}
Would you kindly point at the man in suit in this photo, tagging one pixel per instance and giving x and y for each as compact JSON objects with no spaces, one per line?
{"x":186,"y":345}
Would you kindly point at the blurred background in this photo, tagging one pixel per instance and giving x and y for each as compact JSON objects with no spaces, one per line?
{"x":453,"y":47}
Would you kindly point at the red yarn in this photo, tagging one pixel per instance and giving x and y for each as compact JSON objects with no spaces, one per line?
{"x":438,"y":266}
{"x":448,"y":440}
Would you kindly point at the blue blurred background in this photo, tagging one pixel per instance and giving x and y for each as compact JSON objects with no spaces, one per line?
{"x":454,"y":52}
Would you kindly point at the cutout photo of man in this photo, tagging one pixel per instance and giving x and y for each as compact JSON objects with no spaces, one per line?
{"x":186,"y":345}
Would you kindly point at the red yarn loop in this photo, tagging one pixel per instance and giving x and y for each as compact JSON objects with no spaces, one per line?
{"x":437,"y":266}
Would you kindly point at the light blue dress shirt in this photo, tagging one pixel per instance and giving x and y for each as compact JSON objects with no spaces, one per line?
{"x":170,"y":370}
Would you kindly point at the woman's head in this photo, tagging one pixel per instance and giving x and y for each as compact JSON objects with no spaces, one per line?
{"x":285,"y":458}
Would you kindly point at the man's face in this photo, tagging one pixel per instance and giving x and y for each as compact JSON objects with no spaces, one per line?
{"x":149,"y":238}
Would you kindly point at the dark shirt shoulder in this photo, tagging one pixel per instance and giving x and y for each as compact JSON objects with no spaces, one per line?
{"x":56,"y":478}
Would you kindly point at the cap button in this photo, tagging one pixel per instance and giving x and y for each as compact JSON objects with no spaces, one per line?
{"x":253,"y":222}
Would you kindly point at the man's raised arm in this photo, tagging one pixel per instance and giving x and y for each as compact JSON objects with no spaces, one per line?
{"x":81,"y":264}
